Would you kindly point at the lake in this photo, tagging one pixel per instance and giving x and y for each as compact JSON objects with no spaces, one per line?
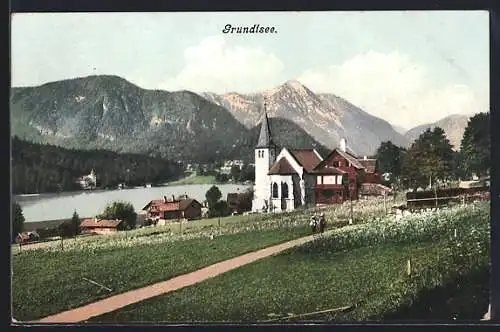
{"x":89,"y":203}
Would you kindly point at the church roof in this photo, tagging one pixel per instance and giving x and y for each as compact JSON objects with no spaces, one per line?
{"x":306,"y":158}
{"x":265,"y":139}
{"x":282,"y":167}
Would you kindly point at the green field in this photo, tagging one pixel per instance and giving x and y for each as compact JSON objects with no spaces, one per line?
{"x":194,"y":179}
{"x":46,"y":282}
{"x":50,"y":280}
{"x":364,"y":266}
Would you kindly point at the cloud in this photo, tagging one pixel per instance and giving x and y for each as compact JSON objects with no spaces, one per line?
{"x":215,"y":66}
{"x":393,"y":87}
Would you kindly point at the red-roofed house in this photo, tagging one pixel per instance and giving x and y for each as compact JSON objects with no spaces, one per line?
{"x":99,"y":226}
{"x":164,"y":210}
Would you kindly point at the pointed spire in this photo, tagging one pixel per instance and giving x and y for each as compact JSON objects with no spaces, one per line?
{"x":265,"y":139}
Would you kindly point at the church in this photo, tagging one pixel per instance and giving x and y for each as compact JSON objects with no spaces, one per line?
{"x":297,"y":177}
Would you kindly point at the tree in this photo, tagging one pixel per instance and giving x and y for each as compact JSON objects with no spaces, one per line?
{"x":221,"y":177}
{"x":75,"y":221}
{"x":428,"y":159}
{"x":247,"y":173}
{"x":67,"y":229}
{"x":235,"y":172}
{"x":122,"y":211}
{"x":475,"y":145}
{"x":389,"y":158}
{"x":220,"y":209}
{"x":213,"y":195}
{"x":17,"y":219}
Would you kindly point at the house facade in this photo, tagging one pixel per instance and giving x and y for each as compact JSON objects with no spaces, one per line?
{"x":166,"y":210}
{"x":297,"y":177}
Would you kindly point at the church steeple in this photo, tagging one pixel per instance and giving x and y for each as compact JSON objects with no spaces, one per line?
{"x":265,"y":138}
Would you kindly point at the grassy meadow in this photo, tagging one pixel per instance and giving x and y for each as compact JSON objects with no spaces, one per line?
{"x":362,"y":266}
{"x":51,"y":279}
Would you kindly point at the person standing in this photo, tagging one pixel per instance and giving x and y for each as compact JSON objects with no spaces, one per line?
{"x":313,"y":223}
{"x":322,"y":223}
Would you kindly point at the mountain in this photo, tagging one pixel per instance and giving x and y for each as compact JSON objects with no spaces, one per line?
{"x":326,"y":117}
{"x":453,"y":125}
{"x":400,"y":129}
{"x":108,"y":112}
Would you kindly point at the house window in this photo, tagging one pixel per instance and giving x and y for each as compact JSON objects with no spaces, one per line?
{"x":275,"y":190}
{"x":329,"y":179}
{"x":284,"y":190}
{"x":319,"y":180}
{"x":336,"y":163}
{"x":339,"y":179}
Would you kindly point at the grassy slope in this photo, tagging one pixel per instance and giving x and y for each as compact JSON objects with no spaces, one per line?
{"x":47,"y":282}
{"x":194,"y":179}
{"x":371,"y":277}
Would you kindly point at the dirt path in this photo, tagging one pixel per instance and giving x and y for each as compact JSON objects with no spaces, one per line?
{"x":119,"y":301}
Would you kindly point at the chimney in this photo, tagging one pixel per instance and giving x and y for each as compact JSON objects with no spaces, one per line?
{"x":343,"y":144}
{"x":164,"y":199}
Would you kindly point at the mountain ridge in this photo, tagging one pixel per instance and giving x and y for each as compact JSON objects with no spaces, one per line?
{"x":109,"y":112}
{"x":326,"y":117}
{"x":453,"y":125}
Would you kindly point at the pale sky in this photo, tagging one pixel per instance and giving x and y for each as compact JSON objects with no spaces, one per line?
{"x":408,"y":68}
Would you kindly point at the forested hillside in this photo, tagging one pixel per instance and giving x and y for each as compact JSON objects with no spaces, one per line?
{"x":40,"y":168}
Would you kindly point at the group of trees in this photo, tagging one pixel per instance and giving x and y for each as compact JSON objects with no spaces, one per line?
{"x":40,"y":168}
{"x":216,"y":206}
{"x":117,"y":210}
{"x":431,"y":158}
{"x":237,"y":174}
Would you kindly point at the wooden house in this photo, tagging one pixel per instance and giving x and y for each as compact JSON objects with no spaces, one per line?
{"x":99,"y":226}
{"x":341,"y":175}
{"x":161,"y":211}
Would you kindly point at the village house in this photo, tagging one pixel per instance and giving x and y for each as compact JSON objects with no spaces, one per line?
{"x":87,"y":181}
{"x":162,"y":211}
{"x":296,"y":177}
{"x":99,"y":226}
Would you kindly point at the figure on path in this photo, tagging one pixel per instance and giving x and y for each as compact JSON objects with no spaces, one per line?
{"x":322,"y":223}
{"x":313,"y":223}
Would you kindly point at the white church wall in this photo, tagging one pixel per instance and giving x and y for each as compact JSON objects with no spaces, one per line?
{"x":279,"y":200}
{"x":264,"y":158}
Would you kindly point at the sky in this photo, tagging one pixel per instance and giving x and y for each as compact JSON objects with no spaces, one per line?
{"x":407,"y":67}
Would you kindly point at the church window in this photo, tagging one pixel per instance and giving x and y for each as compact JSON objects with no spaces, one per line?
{"x":275,"y":190}
{"x":284,"y":190}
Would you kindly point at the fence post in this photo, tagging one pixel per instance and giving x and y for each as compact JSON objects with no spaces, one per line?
{"x":180,"y":226}
{"x":435,"y":195}
{"x":385,"y":202}
{"x":219,"y":226}
{"x":62,"y":243}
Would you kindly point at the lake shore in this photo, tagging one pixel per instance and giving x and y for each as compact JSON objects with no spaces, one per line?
{"x":50,"y":207}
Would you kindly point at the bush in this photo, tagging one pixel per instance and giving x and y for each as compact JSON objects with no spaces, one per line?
{"x":17,"y":220}
{"x":122,"y":211}
{"x":220,"y":209}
